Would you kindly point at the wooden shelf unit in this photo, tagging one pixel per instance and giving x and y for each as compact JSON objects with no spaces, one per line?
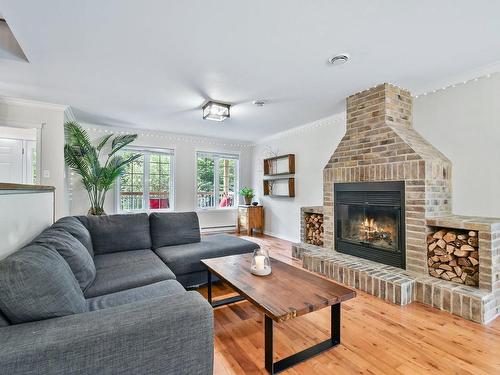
{"x":290,"y":183}
{"x":272,"y":163}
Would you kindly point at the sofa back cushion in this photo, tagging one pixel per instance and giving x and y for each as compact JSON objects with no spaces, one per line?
{"x":36,"y":283}
{"x":118,"y":232}
{"x":75,"y":227}
{"x":174,"y":228}
{"x":73,"y":252}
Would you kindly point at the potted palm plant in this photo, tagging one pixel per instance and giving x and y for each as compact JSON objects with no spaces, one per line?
{"x":247,"y":194}
{"x":84,"y":158}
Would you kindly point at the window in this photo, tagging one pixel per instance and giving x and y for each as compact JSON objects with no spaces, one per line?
{"x":216,"y":180}
{"x":147,"y":183}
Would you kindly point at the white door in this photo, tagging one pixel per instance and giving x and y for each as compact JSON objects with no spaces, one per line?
{"x":11,"y":160}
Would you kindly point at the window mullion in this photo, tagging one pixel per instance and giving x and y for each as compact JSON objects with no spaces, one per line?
{"x":216,"y":182}
{"x":145,"y":202}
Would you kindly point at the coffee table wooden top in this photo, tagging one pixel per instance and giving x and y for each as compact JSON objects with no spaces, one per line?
{"x":286,"y":293}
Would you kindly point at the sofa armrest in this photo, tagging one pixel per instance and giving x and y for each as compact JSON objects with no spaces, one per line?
{"x":165,"y":335}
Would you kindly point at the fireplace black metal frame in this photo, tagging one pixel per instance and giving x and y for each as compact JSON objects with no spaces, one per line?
{"x":379,"y":194}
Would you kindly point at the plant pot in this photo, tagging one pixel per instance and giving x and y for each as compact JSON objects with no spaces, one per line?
{"x":96,"y":212}
{"x":248,"y":200}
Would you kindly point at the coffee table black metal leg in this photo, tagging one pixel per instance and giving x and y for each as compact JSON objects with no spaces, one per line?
{"x":275,"y":367}
{"x":221,"y":302}
{"x":335,"y":324}
{"x":209,"y":286}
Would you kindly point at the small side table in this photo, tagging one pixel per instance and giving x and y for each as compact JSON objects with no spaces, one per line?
{"x":249,"y":218}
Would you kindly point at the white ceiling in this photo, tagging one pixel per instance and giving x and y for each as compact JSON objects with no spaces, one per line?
{"x":151,"y":64}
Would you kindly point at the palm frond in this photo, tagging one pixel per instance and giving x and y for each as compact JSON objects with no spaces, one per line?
{"x":103,"y":141}
{"x":76,"y":136}
{"x":75,"y":161}
{"x":121,"y":141}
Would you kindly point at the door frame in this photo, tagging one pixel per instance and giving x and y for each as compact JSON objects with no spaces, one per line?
{"x":30,"y":125}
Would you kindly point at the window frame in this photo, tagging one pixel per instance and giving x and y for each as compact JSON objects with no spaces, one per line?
{"x":217,"y":155}
{"x":147,"y":152}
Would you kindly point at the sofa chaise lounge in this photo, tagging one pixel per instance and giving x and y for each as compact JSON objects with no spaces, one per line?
{"x":106,"y":295}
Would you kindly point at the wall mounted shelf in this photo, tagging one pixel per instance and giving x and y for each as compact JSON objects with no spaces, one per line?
{"x":280,"y":187}
{"x":279,"y":165}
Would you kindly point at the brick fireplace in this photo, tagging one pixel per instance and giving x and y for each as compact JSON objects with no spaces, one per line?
{"x":367,"y":245}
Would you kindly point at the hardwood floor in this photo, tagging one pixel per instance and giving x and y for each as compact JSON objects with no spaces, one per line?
{"x":377,"y":337}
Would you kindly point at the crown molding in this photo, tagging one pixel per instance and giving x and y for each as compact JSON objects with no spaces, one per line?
{"x":176,"y":137}
{"x":68,"y":113}
{"x":339,"y":118}
{"x":33,"y":103}
{"x":474,"y":75}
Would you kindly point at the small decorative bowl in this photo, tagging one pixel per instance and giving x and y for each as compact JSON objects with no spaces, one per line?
{"x":255,"y":203}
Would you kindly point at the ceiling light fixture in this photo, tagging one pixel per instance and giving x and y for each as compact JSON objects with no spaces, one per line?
{"x":339,"y":59}
{"x":259,"y":102}
{"x":216,"y":111}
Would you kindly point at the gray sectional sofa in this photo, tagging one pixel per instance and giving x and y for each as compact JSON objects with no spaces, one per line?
{"x":106,"y":295}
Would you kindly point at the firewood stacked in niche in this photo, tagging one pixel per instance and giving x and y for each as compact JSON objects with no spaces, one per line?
{"x":314,"y":229}
{"x":453,"y":255}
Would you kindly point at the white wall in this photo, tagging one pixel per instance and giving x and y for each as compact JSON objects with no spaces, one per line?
{"x":50,"y":118}
{"x":24,"y":214}
{"x":312,"y":144}
{"x":185,"y":148}
{"x":464,"y":123}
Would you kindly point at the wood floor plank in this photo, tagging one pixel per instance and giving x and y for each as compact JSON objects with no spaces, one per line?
{"x":377,"y":337}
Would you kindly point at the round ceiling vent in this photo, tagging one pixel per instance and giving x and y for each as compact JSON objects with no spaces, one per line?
{"x":339,"y":59}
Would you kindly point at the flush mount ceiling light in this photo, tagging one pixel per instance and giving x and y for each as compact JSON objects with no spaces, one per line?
{"x":339,"y":59}
{"x":259,"y":102}
{"x":216,"y":111}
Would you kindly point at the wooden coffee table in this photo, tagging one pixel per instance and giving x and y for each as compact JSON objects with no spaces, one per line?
{"x":288,"y":292}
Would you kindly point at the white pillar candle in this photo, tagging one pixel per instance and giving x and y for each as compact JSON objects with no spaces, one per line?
{"x":259,"y":262}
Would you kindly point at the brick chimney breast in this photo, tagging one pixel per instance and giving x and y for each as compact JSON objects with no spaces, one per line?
{"x":380,"y":144}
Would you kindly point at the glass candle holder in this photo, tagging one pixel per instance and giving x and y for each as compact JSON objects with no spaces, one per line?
{"x":261,"y":265}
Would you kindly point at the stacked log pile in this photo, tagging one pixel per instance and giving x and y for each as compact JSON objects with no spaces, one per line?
{"x":314,"y":229}
{"x":453,"y":255}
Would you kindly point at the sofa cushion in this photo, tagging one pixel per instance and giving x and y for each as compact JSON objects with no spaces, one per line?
{"x":126,"y":270}
{"x":75,"y":227}
{"x":3,"y":320}
{"x":36,"y":283}
{"x":184,"y":259}
{"x":160,"y":289}
{"x":73,"y":252}
{"x":174,"y":228}
{"x":118,"y":232}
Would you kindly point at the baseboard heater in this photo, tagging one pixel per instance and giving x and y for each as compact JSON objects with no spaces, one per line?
{"x":220,"y":228}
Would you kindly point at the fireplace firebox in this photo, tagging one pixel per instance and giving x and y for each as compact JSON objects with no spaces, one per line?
{"x":369,"y":221}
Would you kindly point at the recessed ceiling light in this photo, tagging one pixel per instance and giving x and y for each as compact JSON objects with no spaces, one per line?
{"x":259,"y":102}
{"x":339,"y":59}
{"x":216,"y":111}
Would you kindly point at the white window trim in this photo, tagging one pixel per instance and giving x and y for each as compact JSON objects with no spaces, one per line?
{"x":147,"y":151}
{"x":217,"y":155}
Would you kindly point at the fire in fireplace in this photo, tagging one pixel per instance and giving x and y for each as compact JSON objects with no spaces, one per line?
{"x":369,"y":221}
{"x":372,"y":233}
